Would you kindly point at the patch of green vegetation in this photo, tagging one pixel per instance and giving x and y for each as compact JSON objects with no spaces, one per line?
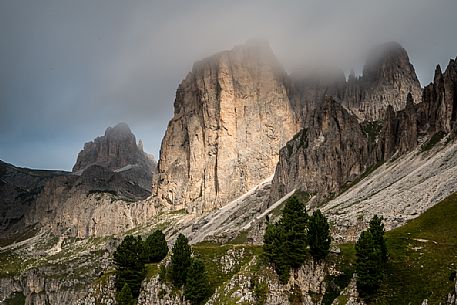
{"x":260,"y":290}
{"x":342,"y":300}
{"x":211,"y":255}
{"x":433,"y":141}
{"x":13,"y":264}
{"x":16,"y":299}
{"x":295,"y":296}
{"x":423,"y":253}
{"x":241,"y":238}
{"x":103,"y":279}
{"x":301,"y":195}
{"x":152,"y":270}
{"x":372,"y":130}
{"x":365,"y":174}
{"x":422,"y":256}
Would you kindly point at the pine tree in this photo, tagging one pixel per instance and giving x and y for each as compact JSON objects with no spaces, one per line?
{"x":155,"y":247}
{"x":377,"y":230}
{"x":294,"y":220}
{"x":318,"y":235}
{"x":124,"y":297}
{"x":275,"y":251}
{"x":129,"y":262}
{"x":196,"y":288}
{"x":180,"y":260}
{"x":369,"y":265}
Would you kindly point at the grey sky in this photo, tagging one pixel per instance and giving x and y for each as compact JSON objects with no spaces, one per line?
{"x":69,"y":69}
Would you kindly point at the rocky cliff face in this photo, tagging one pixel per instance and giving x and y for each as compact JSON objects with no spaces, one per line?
{"x":118,"y":151}
{"x":232,"y":115}
{"x":235,"y":110}
{"x":334,"y":148}
{"x":329,"y":151}
{"x":387,"y":78}
{"x":439,"y":110}
{"x":98,"y":203}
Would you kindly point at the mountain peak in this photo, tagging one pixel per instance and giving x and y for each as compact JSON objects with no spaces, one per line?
{"x":388,"y":61}
{"x":116,"y":149}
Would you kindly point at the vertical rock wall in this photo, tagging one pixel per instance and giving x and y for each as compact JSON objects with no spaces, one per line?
{"x":232,"y":115}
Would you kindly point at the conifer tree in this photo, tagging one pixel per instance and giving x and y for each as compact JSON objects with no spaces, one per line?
{"x":285,"y":241}
{"x":318,"y":235}
{"x":180,"y":260}
{"x":275,"y":251}
{"x":124,"y":297}
{"x":155,"y":247}
{"x":377,"y":230}
{"x":196,"y":288}
{"x":294,"y":220}
{"x":129,"y":261}
{"x":369,"y":265}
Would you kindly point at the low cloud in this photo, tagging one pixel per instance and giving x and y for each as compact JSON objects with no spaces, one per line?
{"x":69,"y":69}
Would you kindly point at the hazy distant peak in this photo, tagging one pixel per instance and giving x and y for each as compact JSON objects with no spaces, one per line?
{"x":121,"y":129}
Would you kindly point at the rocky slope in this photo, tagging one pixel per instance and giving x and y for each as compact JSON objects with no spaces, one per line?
{"x":331,"y":150}
{"x":232,"y":115}
{"x":97,"y":203}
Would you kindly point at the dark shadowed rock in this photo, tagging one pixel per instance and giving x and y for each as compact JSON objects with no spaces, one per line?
{"x":19,"y":188}
{"x":329,"y":151}
{"x":439,"y":110}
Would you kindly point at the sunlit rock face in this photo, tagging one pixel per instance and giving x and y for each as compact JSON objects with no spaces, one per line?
{"x":232,"y":116}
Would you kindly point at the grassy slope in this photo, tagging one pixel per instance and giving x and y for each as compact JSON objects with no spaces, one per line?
{"x":420,"y":269}
{"x":423,"y":253}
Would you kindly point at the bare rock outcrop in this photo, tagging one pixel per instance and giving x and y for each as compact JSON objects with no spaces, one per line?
{"x":98,"y":203}
{"x":387,"y":78}
{"x":439,"y":110}
{"x":399,"y":133}
{"x":232,"y":115}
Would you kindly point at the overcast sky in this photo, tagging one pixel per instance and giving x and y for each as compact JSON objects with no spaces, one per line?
{"x":69,"y":69}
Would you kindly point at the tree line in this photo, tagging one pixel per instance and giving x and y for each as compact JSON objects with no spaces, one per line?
{"x":287,"y":244}
{"x":184,"y":271}
{"x":288,"y":241}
